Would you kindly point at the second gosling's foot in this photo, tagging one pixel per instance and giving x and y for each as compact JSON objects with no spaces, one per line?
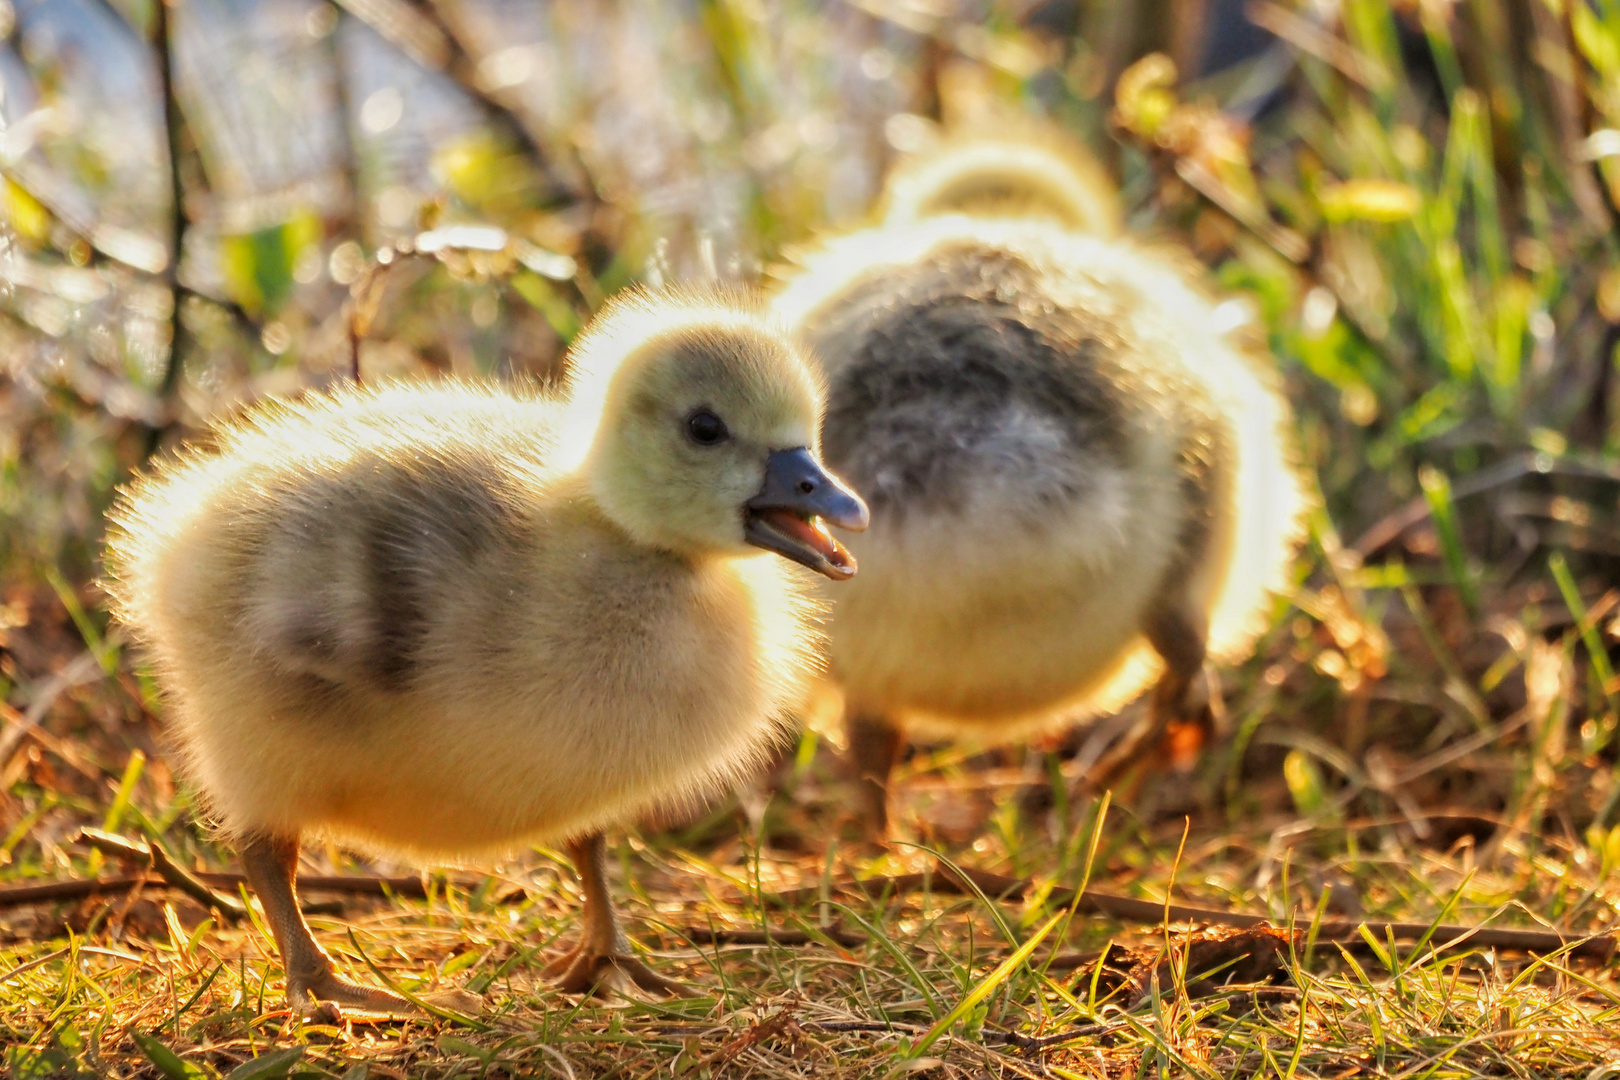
{"x":874,"y":748}
{"x":1178,"y":708}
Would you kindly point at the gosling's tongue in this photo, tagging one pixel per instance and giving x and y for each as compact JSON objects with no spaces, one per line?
{"x":812,"y":534}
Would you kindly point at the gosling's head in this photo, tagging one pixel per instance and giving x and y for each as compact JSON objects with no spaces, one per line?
{"x":705,"y":426}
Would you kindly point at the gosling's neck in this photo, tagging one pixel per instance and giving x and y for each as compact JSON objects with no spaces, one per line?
{"x":579,"y":495}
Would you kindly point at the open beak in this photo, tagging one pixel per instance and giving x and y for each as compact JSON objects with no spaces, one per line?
{"x":791,"y":512}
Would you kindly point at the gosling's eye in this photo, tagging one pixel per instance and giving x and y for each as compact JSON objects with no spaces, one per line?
{"x":706,"y":428}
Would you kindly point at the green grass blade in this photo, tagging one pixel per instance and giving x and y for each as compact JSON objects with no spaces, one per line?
{"x":1597,"y":655}
{"x":986,"y":986}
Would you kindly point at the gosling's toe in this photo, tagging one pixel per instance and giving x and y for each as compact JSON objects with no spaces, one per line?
{"x":333,"y":1000}
{"x":456,"y":1000}
{"x":1137,"y":747}
{"x":329,"y":998}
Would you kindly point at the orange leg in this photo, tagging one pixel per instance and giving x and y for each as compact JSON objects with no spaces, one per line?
{"x":874,"y":747}
{"x":1179,"y":638}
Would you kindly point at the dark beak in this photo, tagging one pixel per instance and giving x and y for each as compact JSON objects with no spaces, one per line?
{"x":788,"y":513}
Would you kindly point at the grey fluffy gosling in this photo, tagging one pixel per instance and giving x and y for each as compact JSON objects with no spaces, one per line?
{"x":1079,"y":486}
{"x":443,"y":620}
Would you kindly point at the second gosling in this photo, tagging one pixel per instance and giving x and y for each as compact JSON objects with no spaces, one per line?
{"x":1079,"y":486}
{"x":445,"y":620}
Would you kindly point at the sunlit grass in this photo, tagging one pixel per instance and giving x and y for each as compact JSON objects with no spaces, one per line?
{"x":937,"y":978}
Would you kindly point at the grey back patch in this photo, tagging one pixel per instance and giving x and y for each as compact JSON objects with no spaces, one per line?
{"x":419,"y":527}
{"x":965,"y":374}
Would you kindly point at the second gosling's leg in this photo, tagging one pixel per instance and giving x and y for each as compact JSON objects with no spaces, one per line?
{"x":874,"y":747}
{"x":603,"y":956}
{"x":312,"y":986}
{"x":1180,"y":638}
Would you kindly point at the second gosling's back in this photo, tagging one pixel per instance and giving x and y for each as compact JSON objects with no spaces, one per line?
{"x":443,"y":620}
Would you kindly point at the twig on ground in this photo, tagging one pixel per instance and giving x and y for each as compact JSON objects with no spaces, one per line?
{"x":37,"y":962}
{"x":819,"y":1027}
{"x":709,"y":935}
{"x":78,"y":888}
{"x":1151,"y":912}
{"x":835,"y":1027}
{"x":72,"y":889}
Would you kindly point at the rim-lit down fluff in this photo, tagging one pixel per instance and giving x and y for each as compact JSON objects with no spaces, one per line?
{"x":443,"y":620}
{"x":1037,"y":174}
{"x":1056,"y":440}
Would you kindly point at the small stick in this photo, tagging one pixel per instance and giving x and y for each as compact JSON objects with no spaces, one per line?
{"x":37,"y":962}
{"x":874,"y":1026}
{"x":355,"y":884}
{"x":73,"y":889}
{"x":78,"y":888}
{"x":711,"y":936}
{"x":1153,"y":913}
{"x":177,"y":876}
{"x":351,"y":883}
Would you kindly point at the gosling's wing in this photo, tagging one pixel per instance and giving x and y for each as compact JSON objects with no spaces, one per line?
{"x":358,"y":568}
{"x":327,"y":538}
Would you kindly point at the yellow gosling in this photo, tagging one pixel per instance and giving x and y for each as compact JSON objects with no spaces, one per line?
{"x":443,"y":621}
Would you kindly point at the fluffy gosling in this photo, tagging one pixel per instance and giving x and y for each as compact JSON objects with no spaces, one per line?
{"x":1078,"y":485}
{"x":444,"y":620}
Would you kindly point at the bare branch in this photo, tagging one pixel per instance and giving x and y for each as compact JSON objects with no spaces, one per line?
{"x":420,"y":33}
{"x":946,"y":879}
{"x":162,"y":45}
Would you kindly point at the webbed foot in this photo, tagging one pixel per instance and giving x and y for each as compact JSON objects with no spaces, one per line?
{"x":331,"y":999}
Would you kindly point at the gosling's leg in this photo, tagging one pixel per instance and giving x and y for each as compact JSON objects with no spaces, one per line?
{"x":603,"y":956}
{"x":1179,"y":636}
{"x":874,"y":747}
{"x":312,"y":986}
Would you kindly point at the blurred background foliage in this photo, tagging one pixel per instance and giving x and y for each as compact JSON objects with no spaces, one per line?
{"x":1414,"y":202}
